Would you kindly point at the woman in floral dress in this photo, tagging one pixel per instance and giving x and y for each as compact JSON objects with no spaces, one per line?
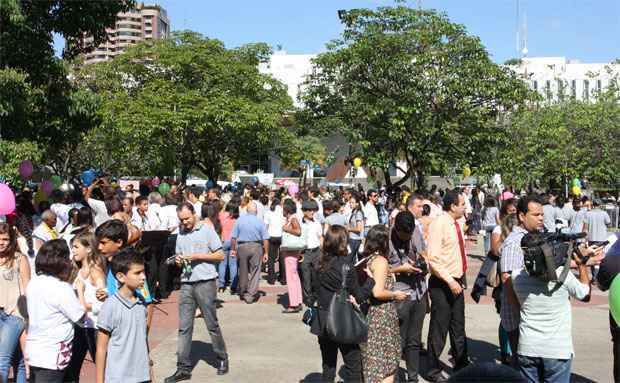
{"x":381,"y":353}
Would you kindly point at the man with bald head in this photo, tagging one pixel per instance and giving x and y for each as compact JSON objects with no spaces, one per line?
{"x":249,"y":241}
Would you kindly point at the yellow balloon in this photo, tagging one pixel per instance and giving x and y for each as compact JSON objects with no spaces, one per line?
{"x":357,"y":162}
{"x":466,"y":171}
{"x":576,"y":190}
{"x":39,"y":196}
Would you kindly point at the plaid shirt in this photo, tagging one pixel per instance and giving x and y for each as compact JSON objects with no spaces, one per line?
{"x":511,"y":259}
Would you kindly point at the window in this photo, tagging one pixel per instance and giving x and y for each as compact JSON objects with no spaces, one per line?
{"x":573,"y":88}
{"x":560,"y":85}
{"x":586,"y":89}
{"x":535,"y":85}
{"x":599,"y":85}
{"x":548,"y":93}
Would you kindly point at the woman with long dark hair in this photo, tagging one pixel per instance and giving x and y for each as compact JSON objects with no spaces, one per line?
{"x":291,"y":249}
{"x":227,"y":219}
{"x":333,"y":257}
{"x":381,"y":353}
{"x":14,"y":278}
{"x":355,"y":224}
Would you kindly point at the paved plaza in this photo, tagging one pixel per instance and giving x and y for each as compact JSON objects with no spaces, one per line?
{"x":266,"y":346}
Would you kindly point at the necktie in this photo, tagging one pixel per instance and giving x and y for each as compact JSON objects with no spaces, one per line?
{"x":461,"y":245}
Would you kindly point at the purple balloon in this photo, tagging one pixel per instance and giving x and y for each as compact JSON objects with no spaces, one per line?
{"x":7,"y":200}
{"x":47,"y":187}
{"x":25,"y":169}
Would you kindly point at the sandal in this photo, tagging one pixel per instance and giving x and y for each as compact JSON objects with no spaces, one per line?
{"x":292,"y":310}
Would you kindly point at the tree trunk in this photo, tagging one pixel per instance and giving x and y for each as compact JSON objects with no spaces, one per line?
{"x":420,"y":180}
{"x":184,"y":173}
{"x":386,"y":177}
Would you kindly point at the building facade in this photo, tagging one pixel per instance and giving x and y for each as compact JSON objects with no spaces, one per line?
{"x":145,"y":22}
{"x":557,"y":78}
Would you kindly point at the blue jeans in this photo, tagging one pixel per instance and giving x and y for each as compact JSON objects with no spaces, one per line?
{"x":11,"y":328}
{"x":231,"y":262}
{"x":487,"y":238}
{"x":545,"y":369}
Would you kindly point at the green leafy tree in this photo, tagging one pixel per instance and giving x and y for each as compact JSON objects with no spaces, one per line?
{"x":37,"y":101}
{"x":184,"y":103}
{"x":408,"y":84}
{"x":12,"y":153}
{"x":547,"y":144}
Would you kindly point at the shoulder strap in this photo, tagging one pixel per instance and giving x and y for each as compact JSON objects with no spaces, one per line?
{"x":345,"y":272}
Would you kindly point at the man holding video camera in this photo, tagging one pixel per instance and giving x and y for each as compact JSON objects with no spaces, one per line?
{"x":545,"y":347}
{"x":410,"y":268}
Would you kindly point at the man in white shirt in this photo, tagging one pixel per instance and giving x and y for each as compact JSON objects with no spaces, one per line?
{"x":145,"y":219}
{"x":370,"y":210}
{"x":545,"y":349}
{"x":94,"y":198}
{"x":193,"y":193}
{"x":260,"y":208}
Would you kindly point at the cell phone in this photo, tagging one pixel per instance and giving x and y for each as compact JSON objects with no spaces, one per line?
{"x":171,"y":260}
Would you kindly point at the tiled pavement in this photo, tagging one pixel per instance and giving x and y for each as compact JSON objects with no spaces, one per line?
{"x":267,"y":346}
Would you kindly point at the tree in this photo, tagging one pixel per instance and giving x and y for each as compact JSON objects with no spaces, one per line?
{"x":37,"y":101}
{"x":185,"y":103}
{"x":406,"y":84}
{"x":550,"y":143}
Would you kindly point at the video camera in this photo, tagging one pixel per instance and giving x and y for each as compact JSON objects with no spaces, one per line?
{"x":543,"y":253}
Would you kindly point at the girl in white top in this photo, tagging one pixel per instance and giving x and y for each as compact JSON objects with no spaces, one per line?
{"x":53,"y":308}
{"x":90,"y":277}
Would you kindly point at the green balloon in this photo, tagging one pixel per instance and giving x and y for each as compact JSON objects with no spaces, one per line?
{"x":164,"y":188}
{"x":576,"y":182}
{"x":614,"y":299}
{"x":56,"y":181}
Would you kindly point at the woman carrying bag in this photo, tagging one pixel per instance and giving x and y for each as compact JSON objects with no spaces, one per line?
{"x":333,"y":258}
{"x":381,"y":353}
{"x":14,"y":277}
{"x":293,"y":244}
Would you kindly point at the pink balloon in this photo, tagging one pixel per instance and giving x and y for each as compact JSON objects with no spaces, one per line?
{"x":7,"y":200}
{"x":47,"y":187}
{"x":293,"y":189}
{"x":156,"y":181}
{"x":25,"y":169}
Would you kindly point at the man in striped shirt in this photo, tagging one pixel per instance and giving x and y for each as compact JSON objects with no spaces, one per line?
{"x":530,"y":215}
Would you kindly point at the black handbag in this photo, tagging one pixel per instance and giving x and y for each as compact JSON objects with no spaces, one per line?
{"x":345,"y":323}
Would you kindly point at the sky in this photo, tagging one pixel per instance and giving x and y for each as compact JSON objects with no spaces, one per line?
{"x":584,"y":30}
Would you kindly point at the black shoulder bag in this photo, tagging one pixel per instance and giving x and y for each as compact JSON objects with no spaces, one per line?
{"x":345,"y":323}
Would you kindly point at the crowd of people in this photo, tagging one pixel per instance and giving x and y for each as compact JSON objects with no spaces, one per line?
{"x":82,"y":272}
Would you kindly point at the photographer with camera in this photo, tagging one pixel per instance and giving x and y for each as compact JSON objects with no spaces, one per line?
{"x":542,"y":289}
{"x":408,"y":265}
{"x":530,"y":216}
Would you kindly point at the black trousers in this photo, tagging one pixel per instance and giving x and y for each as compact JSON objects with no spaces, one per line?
{"x":274,"y":252}
{"x":309,"y":267}
{"x":615,"y":337}
{"x":84,"y":340}
{"x":43,"y":375}
{"x":411,"y":320}
{"x":167,"y":272}
{"x":351,"y":355}
{"x":447,"y":316}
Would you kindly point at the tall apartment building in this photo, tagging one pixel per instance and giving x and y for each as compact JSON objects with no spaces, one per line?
{"x":145,"y":22}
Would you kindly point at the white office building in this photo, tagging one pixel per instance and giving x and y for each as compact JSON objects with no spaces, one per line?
{"x":557,"y":77}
